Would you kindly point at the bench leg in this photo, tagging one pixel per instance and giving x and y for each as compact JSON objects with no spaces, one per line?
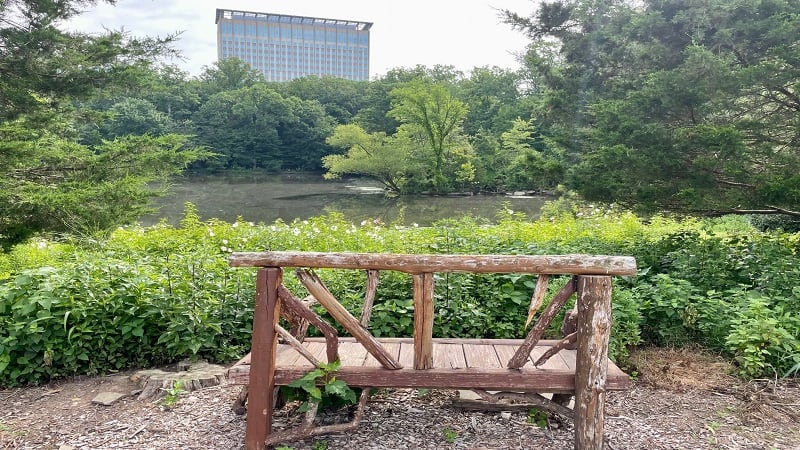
{"x":594,"y":328}
{"x":262,"y":361}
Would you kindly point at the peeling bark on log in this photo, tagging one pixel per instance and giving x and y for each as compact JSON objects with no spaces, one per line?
{"x":300,"y":309}
{"x":594,"y":328}
{"x":369,"y":297}
{"x":524,"y":350}
{"x":538,"y":297}
{"x":561,"y":345}
{"x":413,"y":264}
{"x":298,"y":324}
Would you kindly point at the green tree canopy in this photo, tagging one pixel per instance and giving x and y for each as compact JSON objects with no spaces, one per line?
{"x":256,"y":128}
{"x":41,"y":65}
{"x":341,"y":98}
{"x":134,"y":116}
{"x":227,"y":75}
{"x":436,"y":114}
{"x":385,"y":159}
{"x":48,"y":181}
{"x":688,"y":105}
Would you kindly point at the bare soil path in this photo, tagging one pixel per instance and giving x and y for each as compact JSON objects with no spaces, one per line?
{"x":682,"y":400}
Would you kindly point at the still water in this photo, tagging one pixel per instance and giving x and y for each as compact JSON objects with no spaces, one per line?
{"x":265,"y":198}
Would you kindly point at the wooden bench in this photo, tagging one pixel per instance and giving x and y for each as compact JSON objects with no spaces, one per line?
{"x":520,"y":369}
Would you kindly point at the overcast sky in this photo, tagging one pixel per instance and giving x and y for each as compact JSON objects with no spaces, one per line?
{"x":461,"y":33}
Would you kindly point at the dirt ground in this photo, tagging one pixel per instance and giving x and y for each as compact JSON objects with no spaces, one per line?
{"x":682,"y":399}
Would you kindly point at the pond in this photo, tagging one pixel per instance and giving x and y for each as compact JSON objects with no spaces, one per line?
{"x":267,"y":197}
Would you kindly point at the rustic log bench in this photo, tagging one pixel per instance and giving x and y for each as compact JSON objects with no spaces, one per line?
{"x":519,"y":369}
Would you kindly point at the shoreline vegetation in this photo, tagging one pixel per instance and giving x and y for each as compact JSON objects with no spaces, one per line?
{"x":149,"y":296}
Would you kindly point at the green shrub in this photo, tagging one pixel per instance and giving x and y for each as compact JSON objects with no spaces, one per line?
{"x":625,"y":328}
{"x":146,"y":296}
{"x":764,"y":339}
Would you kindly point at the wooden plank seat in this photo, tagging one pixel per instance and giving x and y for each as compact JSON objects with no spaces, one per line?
{"x":576,"y":364}
{"x":457,"y":364}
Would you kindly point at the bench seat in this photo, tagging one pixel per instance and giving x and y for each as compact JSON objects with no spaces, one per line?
{"x":458,"y":364}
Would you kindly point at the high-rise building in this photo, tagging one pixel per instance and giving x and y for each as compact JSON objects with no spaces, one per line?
{"x":285,"y":47}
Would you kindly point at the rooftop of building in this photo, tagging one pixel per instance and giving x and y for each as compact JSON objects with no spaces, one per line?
{"x":284,"y":18}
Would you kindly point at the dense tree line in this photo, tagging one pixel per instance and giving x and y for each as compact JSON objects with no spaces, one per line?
{"x":253,"y":124}
{"x":686,"y":105}
{"x":52,"y":179}
{"x":682,"y":105}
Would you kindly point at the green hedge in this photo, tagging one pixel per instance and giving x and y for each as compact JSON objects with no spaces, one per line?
{"x":144,"y":297}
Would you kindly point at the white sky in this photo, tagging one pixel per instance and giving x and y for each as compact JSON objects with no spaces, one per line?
{"x":461,"y":33}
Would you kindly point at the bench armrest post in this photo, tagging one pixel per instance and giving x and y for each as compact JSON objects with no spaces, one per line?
{"x":594,"y":329}
{"x":423,"y":320}
{"x":262,"y":360}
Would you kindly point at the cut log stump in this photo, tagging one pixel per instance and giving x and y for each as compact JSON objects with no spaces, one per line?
{"x":192,"y":376}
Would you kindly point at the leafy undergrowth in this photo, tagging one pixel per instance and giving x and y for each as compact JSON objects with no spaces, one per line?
{"x":146,"y":296}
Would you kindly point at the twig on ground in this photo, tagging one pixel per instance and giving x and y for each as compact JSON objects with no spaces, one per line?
{"x":137,"y":431}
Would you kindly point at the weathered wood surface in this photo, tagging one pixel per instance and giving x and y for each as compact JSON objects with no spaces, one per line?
{"x":264,"y":347}
{"x":298,"y":324}
{"x":317,"y":288}
{"x":561,"y":345}
{"x":456,"y":361}
{"x":537,"y":299}
{"x":300,"y":309}
{"x":547,"y":316}
{"x":531,"y":399}
{"x":423,"y":320}
{"x":297,"y":345}
{"x":195,"y":376}
{"x":369,"y":297}
{"x":530,"y":365}
{"x":591,"y":371}
{"x":538,"y":264}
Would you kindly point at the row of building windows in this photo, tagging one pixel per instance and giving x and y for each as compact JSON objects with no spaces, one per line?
{"x":290,"y":75}
{"x":236,"y":43}
{"x":248,"y":55}
{"x":295,"y":33}
{"x":228,"y":51}
{"x":287,"y":47}
{"x":311,"y":66}
{"x":302,"y":62}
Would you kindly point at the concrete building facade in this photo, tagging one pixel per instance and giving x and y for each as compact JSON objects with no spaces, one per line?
{"x":284,"y":47}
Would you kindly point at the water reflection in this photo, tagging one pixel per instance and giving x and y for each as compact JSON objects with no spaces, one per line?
{"x":265,"y":198}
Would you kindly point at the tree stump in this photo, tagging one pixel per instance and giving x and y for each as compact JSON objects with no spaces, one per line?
{"x":192,"y":376}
